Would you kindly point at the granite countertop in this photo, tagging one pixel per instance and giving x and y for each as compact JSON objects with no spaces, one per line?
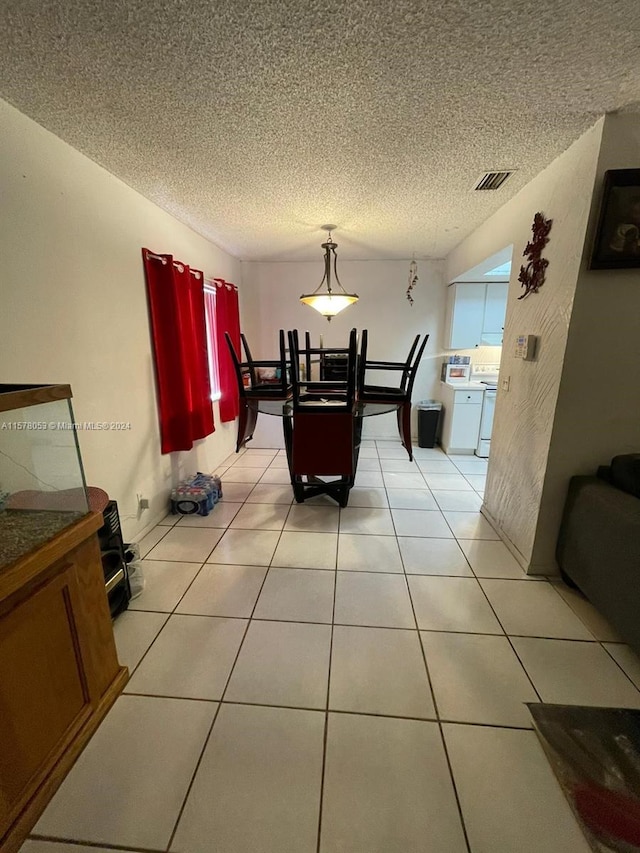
{"x":23,"y":530}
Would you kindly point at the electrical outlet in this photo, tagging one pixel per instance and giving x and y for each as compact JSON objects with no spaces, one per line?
{"x":143,"y":503}
{"x":505,"y":383}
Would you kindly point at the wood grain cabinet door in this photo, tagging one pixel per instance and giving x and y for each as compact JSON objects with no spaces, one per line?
{"x":44,"y":697}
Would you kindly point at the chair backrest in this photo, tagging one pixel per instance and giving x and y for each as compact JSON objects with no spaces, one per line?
{"x":237,"y":364}
{"x":259,"y":387}
{"x":308,"y":352}
{"x":413,"y":369}
{"x":341,"y":393}
{"x":408,"y":368}
{"x":249,"y":362}
{"x":321,"y":352}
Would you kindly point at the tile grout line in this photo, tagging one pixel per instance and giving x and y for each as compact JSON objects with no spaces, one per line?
{"x":595,"y":640}
{"x":217,"y":711}
{"x":252,"y":618}
{"x":166,"y":621}
{"x":498,"y":620}
{"x":344,"y":711}
{"x":101,"y":845}
{"x":171,"y":612}
{"x":435,"y":708}
{"x":513,"y":648}
{"x":600,"y":642}
{"x":618,"y":664}
{"x":381,"y":627}
{"x":325,"y":736}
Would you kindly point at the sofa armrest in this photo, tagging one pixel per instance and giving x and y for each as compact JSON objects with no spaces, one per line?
{"x":599,"y":549}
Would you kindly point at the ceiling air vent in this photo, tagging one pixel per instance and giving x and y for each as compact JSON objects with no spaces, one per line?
{"x":492,"y":180}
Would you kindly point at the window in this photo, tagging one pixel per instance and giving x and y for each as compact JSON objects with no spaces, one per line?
{"x":212,"y":343}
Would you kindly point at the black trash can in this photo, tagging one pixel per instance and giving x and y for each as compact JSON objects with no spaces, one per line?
{"x":428,"y":421}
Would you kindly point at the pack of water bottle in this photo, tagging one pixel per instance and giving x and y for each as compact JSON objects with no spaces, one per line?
{"x":196,"y":495}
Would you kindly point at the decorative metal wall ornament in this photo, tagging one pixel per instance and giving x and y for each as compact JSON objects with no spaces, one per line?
{"x":532,"y":276}
{"x":413,"y":279}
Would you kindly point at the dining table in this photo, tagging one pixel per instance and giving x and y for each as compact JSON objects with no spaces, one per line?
{"x":339,"y":485}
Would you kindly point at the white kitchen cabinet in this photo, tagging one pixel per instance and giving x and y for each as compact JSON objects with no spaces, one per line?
{"x":462,"y":414}
{"x":495,"y":308}
{"x":475,"y":314}
{"x":465,"y":314}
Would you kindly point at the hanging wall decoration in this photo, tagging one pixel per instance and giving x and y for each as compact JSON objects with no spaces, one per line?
{"x":532,"y":276}
{"x":617,"y":243}
{"x":413,"y":280}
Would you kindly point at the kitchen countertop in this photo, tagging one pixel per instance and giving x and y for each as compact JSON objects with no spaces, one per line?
{"x":465,"y":386}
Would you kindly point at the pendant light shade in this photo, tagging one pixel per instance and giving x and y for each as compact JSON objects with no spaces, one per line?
{"x":329,"y":302}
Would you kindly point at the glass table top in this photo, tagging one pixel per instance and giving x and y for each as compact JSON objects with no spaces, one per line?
{"x":284,"y":408}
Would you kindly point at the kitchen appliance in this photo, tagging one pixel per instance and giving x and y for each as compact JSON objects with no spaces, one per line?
{"x":455,"y":372}
{"x":487,"y":375}
{"x":486,"y":422}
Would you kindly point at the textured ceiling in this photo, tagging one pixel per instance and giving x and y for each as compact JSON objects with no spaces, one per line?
{"x":257,"y":122}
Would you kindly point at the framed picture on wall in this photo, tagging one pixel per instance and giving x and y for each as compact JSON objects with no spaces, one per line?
{"x":617,"y":242}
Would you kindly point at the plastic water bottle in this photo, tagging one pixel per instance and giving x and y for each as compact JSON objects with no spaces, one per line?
{"x":218,"y":485}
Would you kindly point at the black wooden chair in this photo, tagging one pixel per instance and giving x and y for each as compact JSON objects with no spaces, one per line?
{"x":261,"y":386}
{"x":327,"y":376}
{"x":323,"y":434}
{"x":400,"y":393}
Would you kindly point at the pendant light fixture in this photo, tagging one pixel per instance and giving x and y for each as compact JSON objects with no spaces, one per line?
{"x":329,"y":302}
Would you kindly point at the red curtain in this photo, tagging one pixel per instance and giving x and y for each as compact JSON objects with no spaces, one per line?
{"x":178,"y":327}
{"x":227,"y":320}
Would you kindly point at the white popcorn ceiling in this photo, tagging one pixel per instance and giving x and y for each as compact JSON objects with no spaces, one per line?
{"x":255,"y":123}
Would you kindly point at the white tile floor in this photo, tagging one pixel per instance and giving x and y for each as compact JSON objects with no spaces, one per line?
{"x":317,"y":680}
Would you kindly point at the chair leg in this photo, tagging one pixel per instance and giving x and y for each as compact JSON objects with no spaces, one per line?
{"x":343,"y":497}
{"x":404,"y":427}
{"x":247,"y":419}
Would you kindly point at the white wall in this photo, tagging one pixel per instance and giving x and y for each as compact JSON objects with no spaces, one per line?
{"x":482,"y":355}
{"x":598,"y":409}
{"x":524,"y":416}
{"x":74,"y":310}
{"x":271,"y":301}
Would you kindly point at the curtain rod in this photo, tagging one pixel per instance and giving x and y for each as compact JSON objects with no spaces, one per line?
{"x":220,"y":282}
{"x":212,"y":282}
{"x":177,"y":264}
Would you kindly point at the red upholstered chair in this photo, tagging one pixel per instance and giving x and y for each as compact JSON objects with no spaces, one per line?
{"x":259,"y":387}
{"x":324,"y":433}
{"x":399,"y":393}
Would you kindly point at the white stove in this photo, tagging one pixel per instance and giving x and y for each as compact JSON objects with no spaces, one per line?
{"x":487,"y":375}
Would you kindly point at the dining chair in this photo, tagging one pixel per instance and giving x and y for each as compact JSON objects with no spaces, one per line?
{"x":327,"y":378}
{"x":331,"y":361}
{"x":323,"y":435}
{"x":261,"y":385}
{"x":399,"y":393}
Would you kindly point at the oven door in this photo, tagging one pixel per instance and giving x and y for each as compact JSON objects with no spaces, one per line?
{"x":486,"y":422}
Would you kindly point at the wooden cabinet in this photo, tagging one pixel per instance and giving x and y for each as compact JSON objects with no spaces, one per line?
{"x":475,"y":314}
{"x":59,"y":673}
{"x":462,"y":414}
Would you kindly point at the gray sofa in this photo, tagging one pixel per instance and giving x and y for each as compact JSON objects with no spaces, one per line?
{"x":598,"y":547}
